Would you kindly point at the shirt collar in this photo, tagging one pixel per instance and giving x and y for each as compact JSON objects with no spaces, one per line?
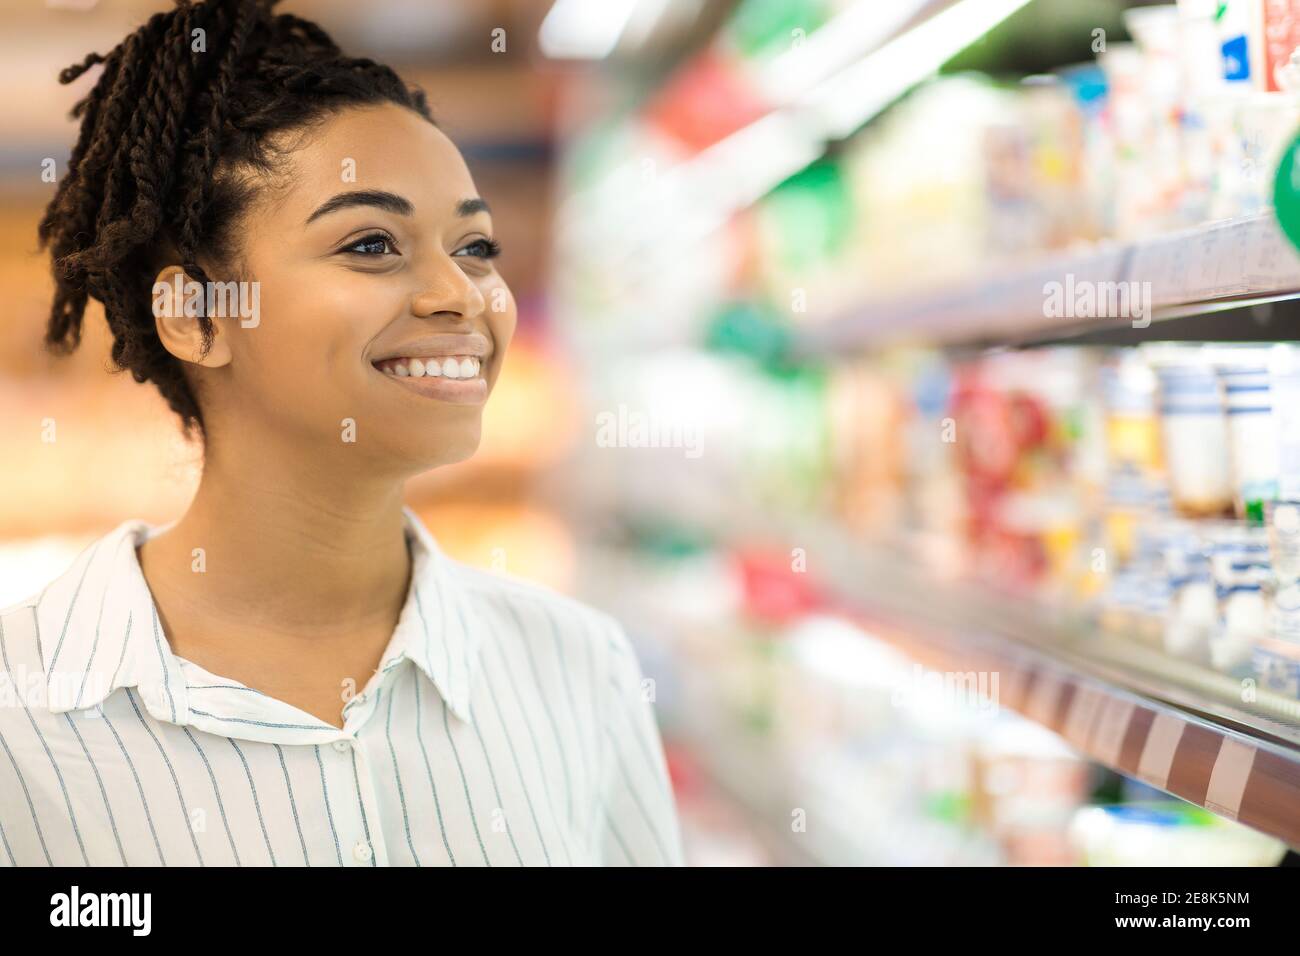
{"x":98,"y":628}
{"x":437,"y":629}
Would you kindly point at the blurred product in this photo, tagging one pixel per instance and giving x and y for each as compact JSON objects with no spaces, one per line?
{"x":1195,"y":432}
{"x":1168,"y":834}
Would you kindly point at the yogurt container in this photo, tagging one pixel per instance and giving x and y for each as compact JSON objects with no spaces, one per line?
{"x":1194,"y":430}
{"x":1252,"y":438}
{"x":1241,"y":570}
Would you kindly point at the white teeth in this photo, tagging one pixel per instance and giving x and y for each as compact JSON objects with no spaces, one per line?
{"x":451,"y":367}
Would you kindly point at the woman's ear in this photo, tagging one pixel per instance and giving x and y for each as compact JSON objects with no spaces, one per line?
{"x":178,"y":301}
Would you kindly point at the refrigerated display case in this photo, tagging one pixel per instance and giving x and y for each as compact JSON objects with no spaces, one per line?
{"x":897,"y":362}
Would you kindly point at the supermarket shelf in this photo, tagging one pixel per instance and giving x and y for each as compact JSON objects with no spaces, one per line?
{"x":1172,"y":725}
{"x":747,"y":766}
{"x":1217,"y":269}
{"x":830,"y":840}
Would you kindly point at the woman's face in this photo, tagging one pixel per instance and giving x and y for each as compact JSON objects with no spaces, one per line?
{"x":373,"y":260}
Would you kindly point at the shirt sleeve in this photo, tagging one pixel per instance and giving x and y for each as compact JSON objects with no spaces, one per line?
{"x":638,"y":815}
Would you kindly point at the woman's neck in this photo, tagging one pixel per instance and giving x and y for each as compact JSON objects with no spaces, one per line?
{"x":283,"y":553}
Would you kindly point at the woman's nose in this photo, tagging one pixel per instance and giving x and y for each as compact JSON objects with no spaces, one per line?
{"x":449,"y":290}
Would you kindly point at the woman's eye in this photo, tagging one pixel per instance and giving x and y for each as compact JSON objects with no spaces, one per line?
{"x":375,"y":245}
{"x":481,"y":249}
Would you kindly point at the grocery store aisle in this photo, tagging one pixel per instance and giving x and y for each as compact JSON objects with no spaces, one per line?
{"x":915,"y":384}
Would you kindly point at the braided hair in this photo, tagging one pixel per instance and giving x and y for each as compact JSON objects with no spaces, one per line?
{"x":172,"y":136}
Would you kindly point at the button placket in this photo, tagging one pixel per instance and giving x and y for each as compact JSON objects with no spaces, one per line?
{"x":345,"y":813}
{"x":356,"y":713}
{"x":367,"y":852}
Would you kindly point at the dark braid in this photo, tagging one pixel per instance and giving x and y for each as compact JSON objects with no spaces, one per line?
{"x":161,"y":170}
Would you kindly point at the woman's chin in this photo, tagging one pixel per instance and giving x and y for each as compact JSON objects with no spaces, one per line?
{"x":451,"y":450}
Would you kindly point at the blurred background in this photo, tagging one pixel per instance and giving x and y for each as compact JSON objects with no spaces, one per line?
{"x":908,"y":376}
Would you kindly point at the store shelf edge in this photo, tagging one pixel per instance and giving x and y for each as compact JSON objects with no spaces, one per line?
{"x":1238,"y":765}
{"x":1194,"y":272}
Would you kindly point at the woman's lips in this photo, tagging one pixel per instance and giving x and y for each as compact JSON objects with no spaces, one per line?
{"x":456,"y":379}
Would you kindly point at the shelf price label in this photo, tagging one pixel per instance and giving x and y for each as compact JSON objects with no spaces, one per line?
{"x":1228,"y":779}
{"x":1158,"y":753}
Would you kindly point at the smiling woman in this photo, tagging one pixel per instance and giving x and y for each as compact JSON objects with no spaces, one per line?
{"x":213,"y":664}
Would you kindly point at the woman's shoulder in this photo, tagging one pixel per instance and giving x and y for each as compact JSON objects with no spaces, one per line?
{"x":51,"y":615}
{"x":517,"y":612}
{"x":531,"y":606}
{"x":23,"y":678}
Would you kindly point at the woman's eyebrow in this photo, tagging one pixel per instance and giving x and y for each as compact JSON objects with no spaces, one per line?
{"x":468,"y":207}
{"x":389,"y":202}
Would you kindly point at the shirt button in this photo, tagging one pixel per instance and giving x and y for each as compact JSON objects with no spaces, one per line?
{"x":362,"y":852}
{"x":341,"y":746}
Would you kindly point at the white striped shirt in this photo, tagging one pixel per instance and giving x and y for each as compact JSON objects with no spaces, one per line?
{"x":506,"y":726}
